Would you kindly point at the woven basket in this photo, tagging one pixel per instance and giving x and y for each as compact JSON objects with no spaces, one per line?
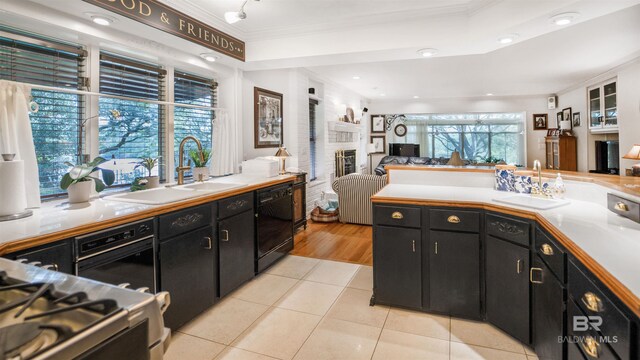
{"x":319,"y":215}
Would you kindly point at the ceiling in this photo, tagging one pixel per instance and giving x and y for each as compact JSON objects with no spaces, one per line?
{"x":378,"y":40}
{"x":542,"y":65}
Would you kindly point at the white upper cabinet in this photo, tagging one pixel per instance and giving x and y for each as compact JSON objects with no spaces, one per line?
{"x":603,"y":108}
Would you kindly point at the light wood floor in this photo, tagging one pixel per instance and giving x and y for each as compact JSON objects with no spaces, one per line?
{"x":335,"y":241}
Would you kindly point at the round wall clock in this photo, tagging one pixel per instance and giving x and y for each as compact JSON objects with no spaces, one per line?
{"x":400,"y":130}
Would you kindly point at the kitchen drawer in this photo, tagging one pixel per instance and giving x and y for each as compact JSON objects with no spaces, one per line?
{"x":591,"y":344}
{"x":403,"y":216}
{"x":624,"y":207}
{"x":508,"y":229}
{"x":235,"y":205}
{"x":551,"y":253}
{"x":182,"y":221}
{"x":57,"y":256}
{"x":455,"y":220}
{"x":593,"y":302}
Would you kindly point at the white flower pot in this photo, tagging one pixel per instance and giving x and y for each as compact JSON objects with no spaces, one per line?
{"x":152,"y":182}
{"x":80,"y":192}
{"x":200,"y":173}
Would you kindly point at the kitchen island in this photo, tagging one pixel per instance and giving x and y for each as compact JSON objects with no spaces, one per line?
{"x":445,"y":243}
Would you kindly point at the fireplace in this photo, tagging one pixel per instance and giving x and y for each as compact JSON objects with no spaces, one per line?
{"x":345,"y":162}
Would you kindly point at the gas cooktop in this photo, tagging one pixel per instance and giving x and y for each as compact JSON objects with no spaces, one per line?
{"x":49,"y":315}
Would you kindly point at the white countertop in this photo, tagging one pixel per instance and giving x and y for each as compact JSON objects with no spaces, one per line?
{"x":59,"y":215}
{"x":611,"y":240}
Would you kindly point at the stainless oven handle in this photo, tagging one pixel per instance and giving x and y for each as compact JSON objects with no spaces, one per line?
{"x":113,"y":248}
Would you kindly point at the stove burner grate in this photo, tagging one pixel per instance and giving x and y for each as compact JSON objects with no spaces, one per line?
{"x":24,"y":340}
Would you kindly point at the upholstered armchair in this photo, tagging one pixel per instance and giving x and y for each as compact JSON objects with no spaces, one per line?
{"x":354,"y":196}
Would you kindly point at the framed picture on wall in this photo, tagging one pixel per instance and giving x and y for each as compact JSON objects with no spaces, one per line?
{"x":379,"y":142}
{"x":566,"y":114}
{"x":377,"y":124}
{"x":539,"y":121}
{"x":576,"y":119}
{"x":268,"y":121}
{"x":558,"y":119}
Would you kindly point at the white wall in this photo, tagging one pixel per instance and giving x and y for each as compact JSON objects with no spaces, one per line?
{"x":530,"y":105}
{"x":293,"y":84}
{"x":629,"y":111}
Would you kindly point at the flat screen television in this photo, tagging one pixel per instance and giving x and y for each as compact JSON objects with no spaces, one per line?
{"x":607,"y":157}
{"x":404,"y":149}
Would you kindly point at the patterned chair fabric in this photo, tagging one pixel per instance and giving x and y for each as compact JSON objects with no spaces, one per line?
{"x":354,"y":196}
{"x":402,"y":160}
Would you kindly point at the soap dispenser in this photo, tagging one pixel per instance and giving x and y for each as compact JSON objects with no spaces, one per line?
{"x":558,"y":187}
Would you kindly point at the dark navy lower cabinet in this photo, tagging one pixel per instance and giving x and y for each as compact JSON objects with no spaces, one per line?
{"x":548,"y":312}
{"x":454,"y":273}
{"x":505,"y":270}
{"x":507,"y":287}
{"x":398,"y":271}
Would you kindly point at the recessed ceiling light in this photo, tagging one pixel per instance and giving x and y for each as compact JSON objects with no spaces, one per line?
{"x":507,"y":39}
{"x":428,"y":52}
{"x":383,"y":94}
{"x":564,"y":18}
{"x":209,"y":57}
{"x":489,"y":94}
{"x":102,"y":20}
{"x":416,"y":97}
{"x":356,"y":77}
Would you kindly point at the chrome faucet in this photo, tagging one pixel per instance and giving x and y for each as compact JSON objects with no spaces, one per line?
{"x":181,"y":168}
{"x":539,"y":191}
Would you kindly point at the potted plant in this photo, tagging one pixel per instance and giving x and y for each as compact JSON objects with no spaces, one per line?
{"x":149,"y":163}
{"x":200,"y":169}
{"x":78,"y":180}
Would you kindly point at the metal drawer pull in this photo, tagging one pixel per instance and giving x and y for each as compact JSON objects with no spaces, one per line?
{"x":592,"y":302}
{"x":436,"y":248}
{"x":209,"y":243}
{"x":531,"y":275}
{"x":52,"y":266}
{"x":590,"y":347}
{"x":226,"y":235}
{"x":546,"y":249}
{"x":620,"y":206}
{"x":414,"y":245}
{"x":397,"y":215}
{"x":453,"y":219}
{"x":518,"y":270}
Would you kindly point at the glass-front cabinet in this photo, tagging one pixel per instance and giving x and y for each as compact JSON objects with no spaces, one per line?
{"x":603,"y":107}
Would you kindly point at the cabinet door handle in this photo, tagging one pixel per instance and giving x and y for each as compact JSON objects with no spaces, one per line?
{"x":209,"y":243}
{"x":52,"y":266}
{"x":620,"y":206}
{"x":592,"y":302}
{"x":531,"y":275}
{"x":453,"y":219}
{"x":590,"y":347}
{"x":413,"y":244}
{"x":546,"y":249}
{"x":518,"y":270}
{"x":226,"y":235}
{"x":436,"y":248}
{"x":397,"y":215}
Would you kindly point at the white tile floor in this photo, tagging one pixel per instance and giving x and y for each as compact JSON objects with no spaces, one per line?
{"x":306,"y":308}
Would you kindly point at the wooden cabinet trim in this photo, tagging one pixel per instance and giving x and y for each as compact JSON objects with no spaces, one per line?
{"x":614,"y":285}
{"x":22,"y":244}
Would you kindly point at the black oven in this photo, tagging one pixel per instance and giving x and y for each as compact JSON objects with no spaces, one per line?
{"x":274,"y":224}
{"x":123,"y":255}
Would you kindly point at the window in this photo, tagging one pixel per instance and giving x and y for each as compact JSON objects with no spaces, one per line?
{"x":56,"y":126}
{"x":313,"y":139}
{"x":477,"y":137}
{"x":197,"y":95}
{"x":130,"y":126}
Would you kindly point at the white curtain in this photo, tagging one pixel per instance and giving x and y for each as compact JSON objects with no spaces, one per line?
{"x":16,"y":137}
{"x":225,"y":153}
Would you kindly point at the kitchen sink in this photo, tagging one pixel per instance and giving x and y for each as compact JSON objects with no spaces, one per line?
{"x":532,"y":202}
{"x":212,"y":187}
{"x":156,"y":196}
